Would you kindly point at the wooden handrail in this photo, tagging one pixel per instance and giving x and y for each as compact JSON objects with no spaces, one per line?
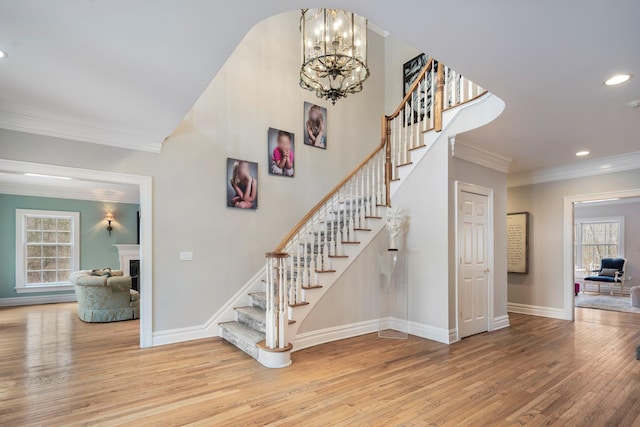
{"x":384,"y":145}
{"x":330,"y":194}
{"x":413,"y":87}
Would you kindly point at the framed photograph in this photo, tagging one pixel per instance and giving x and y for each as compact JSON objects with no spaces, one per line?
{"x":315,"y":125}
{"x":518,"y":242}
{"x":280,"y":147}
{"x":415,"y":110}
{"x":242,"y":184}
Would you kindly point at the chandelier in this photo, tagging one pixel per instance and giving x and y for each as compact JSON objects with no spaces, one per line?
{"x":334,"y":53}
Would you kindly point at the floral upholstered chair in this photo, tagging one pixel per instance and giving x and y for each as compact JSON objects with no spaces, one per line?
{"x":105,"y":296}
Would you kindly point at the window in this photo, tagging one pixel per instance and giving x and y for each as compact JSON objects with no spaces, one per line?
{"x":47,"y":249}
{"x":596,"y":239}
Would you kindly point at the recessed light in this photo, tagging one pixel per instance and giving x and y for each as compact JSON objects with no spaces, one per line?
{"x":39,"y":175}
{"x":617,"y":79}
{"x":3,"y":54}
{"x":583,"y":153}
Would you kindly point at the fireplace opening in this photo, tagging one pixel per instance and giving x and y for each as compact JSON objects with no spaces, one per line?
{"x":134,"y":272}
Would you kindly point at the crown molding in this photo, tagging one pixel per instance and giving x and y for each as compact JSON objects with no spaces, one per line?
{"x":106,"y":196}
{"x":44,"y":123}
{"x":378,"y":30}
{"x":593,"y":167}
{"x":479,"y":156}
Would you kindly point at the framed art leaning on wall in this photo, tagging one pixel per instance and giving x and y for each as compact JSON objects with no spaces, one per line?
{"x":518,"y":242}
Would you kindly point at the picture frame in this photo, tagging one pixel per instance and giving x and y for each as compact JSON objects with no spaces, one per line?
{"x":242,"y":184}
{"x":281,"y":152}
{"x":518,"y":243}
{"x":315,"y":125}
{"x":414,"y":112}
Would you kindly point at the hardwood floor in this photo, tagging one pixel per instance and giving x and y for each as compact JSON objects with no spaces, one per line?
{"x":57,"y":371}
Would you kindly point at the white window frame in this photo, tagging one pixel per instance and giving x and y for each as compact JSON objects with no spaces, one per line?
{"x":21,"y":249}
{"x":578,"y":237}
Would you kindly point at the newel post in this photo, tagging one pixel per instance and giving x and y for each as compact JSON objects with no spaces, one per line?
{"x":276,"y":319}
{"x":439,"y":105}
{"x":388,"y":167}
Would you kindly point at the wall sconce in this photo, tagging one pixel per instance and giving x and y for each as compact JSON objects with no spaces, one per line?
{"x":109,"y":218}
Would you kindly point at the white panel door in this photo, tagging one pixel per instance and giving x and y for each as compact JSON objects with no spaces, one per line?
{"x":473,"y":276}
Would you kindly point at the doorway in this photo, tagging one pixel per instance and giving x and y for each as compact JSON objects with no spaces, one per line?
{"x":569,"y":276}
{"x":144,"y":183}
{"x":474,"y":254}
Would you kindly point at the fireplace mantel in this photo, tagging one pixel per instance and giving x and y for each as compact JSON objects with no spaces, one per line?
{"x":127,"y":253}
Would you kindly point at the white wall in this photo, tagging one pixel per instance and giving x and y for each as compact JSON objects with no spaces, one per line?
{"x":543,"y":286}
{"x":396,"y":53}
{"x":631,"y":214}
{"x":424,"y":197}
{"x":256,"y":89}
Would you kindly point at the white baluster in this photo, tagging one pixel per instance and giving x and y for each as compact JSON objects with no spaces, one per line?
{"x":283,"y":322}
{"x":363,"y":200}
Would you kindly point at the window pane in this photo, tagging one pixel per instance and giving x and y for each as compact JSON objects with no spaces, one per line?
{"x":49,"y":264}
{"x":48,"y":223}
{"x":49,"y":251}
{"x":49,"y":237}
{"x":34,"y":277}
{"x":49,"y":277}
{"x":64,"y":237}
{"x":64,"y":263}
{"x":34,"y":263}
{"x":64,"y":225}
{"x":63,"y":276}
{"x":34,"y":237}
{"x":34,"y":223}
{"x":34,"y":251}
{"x":64,"y":251}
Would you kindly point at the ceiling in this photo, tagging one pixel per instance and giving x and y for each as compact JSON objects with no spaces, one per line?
{"x":125,"y":73}
{"x":23,"y":185}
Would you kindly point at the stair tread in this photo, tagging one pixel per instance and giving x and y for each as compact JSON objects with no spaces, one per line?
{"x":259,"y":295}
{"x":338,"y":256}
{"x":312,"y":287}
{"x":350,"y":243}
{"x":362,"y":229}
{"x":418,"y":147}
{"x":298,"y":304}
{"x":373,"y":217}
{"x":243,"y":331}
{"x":253,"y":312}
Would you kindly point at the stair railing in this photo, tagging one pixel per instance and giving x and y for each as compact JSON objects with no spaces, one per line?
{"x":309,"y":249}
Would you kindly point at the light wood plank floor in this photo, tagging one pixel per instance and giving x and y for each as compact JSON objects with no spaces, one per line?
{"x":57,"y":371}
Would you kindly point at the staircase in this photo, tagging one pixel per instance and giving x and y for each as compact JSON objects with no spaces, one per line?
{"x":263,"y":318}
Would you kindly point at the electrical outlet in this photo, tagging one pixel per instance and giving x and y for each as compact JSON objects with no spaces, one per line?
{"x":186,"y":256}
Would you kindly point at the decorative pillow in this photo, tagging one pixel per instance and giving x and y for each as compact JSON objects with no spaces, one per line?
{"x":609,"y":272}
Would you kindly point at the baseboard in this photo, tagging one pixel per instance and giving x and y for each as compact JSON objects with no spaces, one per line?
{"x":432,"y":333}
{"x":37,"y":299}
{"x":210,"y":328}
{"x":535,"y":310}
{"x":501,"y":322}
{"x":322,"y":336}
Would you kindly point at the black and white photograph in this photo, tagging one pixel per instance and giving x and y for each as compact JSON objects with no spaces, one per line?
{"x":415,"y":111}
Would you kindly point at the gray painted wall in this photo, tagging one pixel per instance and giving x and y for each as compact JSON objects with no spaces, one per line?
{"x":543,"y":286}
